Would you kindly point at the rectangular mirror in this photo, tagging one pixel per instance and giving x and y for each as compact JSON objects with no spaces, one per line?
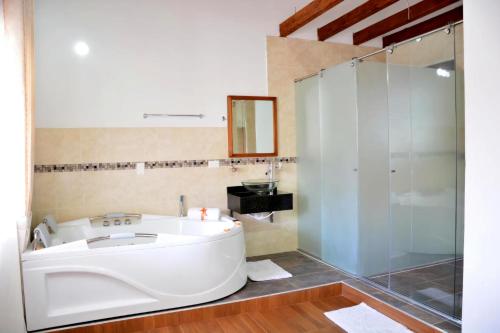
{"x":252,"y":126}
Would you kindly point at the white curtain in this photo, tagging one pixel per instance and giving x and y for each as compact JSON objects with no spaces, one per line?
{"x":15,"y":166}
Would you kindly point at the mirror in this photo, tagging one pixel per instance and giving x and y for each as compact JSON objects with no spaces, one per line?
{"x":252,"y":126}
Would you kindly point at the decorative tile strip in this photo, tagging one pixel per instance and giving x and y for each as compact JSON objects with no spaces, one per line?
{"x":47,"y":168}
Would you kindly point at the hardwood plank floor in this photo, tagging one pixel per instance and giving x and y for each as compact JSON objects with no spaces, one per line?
{"x":300,"y":317}
{"x":296,"y":311}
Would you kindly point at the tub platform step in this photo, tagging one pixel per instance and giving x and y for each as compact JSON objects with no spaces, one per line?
{"x":297,"y":311}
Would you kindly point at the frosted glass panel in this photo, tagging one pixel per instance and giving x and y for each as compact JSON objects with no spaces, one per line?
{"x":339,"y":167}
{"x":381,"y":169}
{"x":423,"y":158}
{"x":400,"y":164}
{"x":459,"y":97}
{"x":423,"y":151}
{"x":308,"y":165}
{"x":373,"y":151}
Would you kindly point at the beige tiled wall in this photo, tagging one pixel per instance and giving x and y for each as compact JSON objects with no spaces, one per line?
{"x":79,"y":145}
{"x":72,"y":195}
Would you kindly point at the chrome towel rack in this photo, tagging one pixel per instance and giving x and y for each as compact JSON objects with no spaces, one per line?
{"x":148,"y":115}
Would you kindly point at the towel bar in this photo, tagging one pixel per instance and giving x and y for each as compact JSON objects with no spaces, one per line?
{"x":147,"y":115}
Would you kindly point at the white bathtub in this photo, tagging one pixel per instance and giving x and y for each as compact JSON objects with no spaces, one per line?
{"x":189,"y":262}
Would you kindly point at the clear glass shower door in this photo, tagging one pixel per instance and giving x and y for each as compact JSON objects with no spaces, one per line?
{"x":423,"y":170}
{"x":460,"y":107}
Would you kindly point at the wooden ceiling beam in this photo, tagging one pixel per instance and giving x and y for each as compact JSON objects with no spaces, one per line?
{"x":356,"y":15}
{"x":434,"y":23}
{"x":419,"y":10}
{"x":312,"y":10}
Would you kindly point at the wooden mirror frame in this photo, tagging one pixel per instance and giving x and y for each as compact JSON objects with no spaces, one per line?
{"x":230,"y":100}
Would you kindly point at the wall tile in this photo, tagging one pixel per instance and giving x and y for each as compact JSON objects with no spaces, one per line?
{"x":76,"y":194}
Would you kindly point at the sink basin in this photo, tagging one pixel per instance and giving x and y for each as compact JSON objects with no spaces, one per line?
{"x":260,"y":186}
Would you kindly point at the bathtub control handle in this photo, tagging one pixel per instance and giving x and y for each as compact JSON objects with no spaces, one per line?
{"x":112,"y":216}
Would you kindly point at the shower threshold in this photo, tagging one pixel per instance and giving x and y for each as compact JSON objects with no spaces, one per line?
{"x":381,"y":289}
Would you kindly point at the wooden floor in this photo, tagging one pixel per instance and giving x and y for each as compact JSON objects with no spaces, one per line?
{"x":296,"y":311}
{"x":300,"y":317}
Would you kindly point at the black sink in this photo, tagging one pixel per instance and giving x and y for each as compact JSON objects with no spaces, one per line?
{"x":243,"y":201}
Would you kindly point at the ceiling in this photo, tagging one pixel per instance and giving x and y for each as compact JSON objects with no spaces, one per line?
{"x":308,"y":31}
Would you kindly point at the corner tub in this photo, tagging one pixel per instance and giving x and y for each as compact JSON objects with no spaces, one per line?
{"x":155,"y":263}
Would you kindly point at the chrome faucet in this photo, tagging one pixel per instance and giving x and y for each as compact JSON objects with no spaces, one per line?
{"x":270,"y":170}
{"x":37,"y":240}
{"x":181,"y":206}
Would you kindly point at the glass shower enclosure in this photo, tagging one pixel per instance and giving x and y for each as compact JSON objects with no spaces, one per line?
{"x":380,"y":147}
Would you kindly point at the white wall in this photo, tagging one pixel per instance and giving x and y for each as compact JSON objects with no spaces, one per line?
{"x":12,"y":188}
{"x":152,"y":56}
{"x":482,"y":176}
{"x":161,"y":56}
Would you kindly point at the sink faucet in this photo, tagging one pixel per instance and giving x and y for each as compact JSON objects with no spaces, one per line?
{"x":270,"y":170}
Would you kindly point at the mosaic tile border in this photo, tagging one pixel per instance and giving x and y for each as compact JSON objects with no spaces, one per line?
{"x":47,"y":168}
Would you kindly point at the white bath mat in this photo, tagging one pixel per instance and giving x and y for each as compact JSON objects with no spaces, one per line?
{"x":363,"y":319}
{"x":265,"y":270}
{"x":437,"y":294}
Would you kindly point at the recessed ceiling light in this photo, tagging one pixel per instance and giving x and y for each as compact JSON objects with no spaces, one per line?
{"x":418,"y":39}
{"x":81,"y":48}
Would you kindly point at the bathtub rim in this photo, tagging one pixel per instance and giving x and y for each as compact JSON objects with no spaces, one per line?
{"x":71,"y":249}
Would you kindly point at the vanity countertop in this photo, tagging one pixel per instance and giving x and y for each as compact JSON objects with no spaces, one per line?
{"x":243,"y":201}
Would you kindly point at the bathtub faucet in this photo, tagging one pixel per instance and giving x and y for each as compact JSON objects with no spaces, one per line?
{"x":181,"y":206}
